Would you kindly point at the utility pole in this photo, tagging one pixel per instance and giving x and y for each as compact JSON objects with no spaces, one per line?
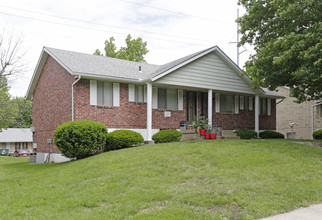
{"x":237,"y":38}
{"x":237,"y":42}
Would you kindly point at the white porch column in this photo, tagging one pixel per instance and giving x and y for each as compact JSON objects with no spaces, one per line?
{"x":149,"y":112}
{"x":257,"y":114}
{"x":210,"y":107}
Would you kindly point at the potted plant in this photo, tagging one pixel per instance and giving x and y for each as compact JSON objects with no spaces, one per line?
{"x":213,"y":134}
{"x":203,"y":125}
{"x":195,"y":125}
{"x":208,"y":132}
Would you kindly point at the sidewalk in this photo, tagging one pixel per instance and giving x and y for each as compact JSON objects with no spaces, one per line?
{"x":313,"y":212}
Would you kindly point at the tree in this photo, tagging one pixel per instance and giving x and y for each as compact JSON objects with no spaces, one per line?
{"x":134,"y":51}
{"x":23,"y":118}
{"x":11,"y":55}
{"x":287,"y":38}
{"x":11,"y":65}
{"x":8,"y":109}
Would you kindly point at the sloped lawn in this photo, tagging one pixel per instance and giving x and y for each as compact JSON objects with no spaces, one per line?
{"x":234,"y":179}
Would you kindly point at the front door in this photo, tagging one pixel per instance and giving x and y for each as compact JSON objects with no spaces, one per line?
{"x":191,"y":106}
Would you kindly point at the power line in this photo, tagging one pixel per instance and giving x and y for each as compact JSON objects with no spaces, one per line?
{"x":100,"y":24}
{"x":95,"y":29}
{"x":175,"y":12}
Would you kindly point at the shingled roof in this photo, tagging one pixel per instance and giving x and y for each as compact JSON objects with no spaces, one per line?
{"x":93,"y":66}
{"x":12,"y":135}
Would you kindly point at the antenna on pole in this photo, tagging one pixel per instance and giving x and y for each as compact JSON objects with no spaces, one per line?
{"x":237,"y":42}
{"x":237,"y":38}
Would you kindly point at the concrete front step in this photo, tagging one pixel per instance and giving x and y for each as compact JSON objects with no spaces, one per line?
{"x":229,"y":134}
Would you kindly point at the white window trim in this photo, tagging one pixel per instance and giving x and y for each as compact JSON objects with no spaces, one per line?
{"x":217,"y":102}
{"x":250,"y":103}
{"x":236,"y":104}
{"x":180,"y":99}
{"x":115,"y":93}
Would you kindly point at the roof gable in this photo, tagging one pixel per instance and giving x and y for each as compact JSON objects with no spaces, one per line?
{"x":209,"y":71}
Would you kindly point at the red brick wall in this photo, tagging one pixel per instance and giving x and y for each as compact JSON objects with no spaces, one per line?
{"x":51,"y":103}
{"x":268,"y":122}
{"x":128,"y":115}
{"x":245,"y":119}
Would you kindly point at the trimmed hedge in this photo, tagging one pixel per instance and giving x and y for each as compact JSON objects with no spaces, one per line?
{"x":80,"y":139}
{"x":122,"y":139}
{"x":246,"y":134}
{"x":166,"y":136}
{"x":317,"y":134}
{"x":271,"y":135}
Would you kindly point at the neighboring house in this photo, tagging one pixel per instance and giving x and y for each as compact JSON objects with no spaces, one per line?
{"x":15,"y":139}
{"x":306,"y":116}
{"x":144,"y":97}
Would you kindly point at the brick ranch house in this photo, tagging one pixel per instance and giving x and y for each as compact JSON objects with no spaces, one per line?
{"x":144,"y":97}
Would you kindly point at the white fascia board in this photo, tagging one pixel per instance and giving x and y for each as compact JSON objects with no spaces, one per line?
{"x":58,"y":61}
{"x":36,"y":74}
{"x":183,"y":64}
{"x":108,"y":78}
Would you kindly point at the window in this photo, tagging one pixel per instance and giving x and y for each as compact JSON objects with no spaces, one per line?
{"x":137,"y":93}
{"x":265,"y":106}
{"x":104,"y":93}
{"x":246,"y":103}
{"x":167,"y":99}
{"x":162,"y":98}
{"x":204,"y":104}
{"x":226,"y":103}
{"x":320,"y":110}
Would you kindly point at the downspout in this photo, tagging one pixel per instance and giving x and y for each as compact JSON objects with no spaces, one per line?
{"x":313,"y":115}
{"x":280,"y":101}
{"x":73,"y":115}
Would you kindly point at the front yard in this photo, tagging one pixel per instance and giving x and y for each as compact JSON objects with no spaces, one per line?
{"x":234,"y":179}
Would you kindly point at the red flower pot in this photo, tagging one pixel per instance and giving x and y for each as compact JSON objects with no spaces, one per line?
{"x":202,"y":132}
{"x":207,"y":135}
{"x":213,"y":135}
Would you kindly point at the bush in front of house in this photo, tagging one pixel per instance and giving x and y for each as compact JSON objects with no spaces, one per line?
{"x":246,"y":133}
{"x":166,"y":136}
{"x":123,"y":139}
{"x":271,"y":135}
{"x":317,"y":134}
{"x":80,"y":139}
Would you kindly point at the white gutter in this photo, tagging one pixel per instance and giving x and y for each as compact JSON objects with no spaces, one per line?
{"x":73,"y":115}
{"x":313,"y":115}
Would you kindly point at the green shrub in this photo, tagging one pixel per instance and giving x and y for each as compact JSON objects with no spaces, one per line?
{"x":271,"y":135}
{"x":80,"y":139}
{"x":165,"y":136}
{"x":246,"y":134}
{"x":122,"y":139}
{"x":317,"y":134}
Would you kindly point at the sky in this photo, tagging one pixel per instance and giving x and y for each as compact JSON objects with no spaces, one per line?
{"x":172,"y":29}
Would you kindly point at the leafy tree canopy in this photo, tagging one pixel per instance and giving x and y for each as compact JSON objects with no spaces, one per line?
{"x":287,"y":37}
{"x":23,"y":118}
{"x":8,"y":109}
{"x":134,"y":51}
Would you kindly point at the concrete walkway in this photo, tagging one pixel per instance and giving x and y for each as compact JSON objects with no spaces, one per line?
{"x":313,"y":212}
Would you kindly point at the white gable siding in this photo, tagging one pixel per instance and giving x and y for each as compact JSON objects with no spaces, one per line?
{"x":209,"y":72}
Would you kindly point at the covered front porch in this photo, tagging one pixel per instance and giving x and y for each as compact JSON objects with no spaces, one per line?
{"x":225,"y":110}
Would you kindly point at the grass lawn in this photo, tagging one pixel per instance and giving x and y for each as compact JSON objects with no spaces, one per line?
{"x":232,"y":179}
